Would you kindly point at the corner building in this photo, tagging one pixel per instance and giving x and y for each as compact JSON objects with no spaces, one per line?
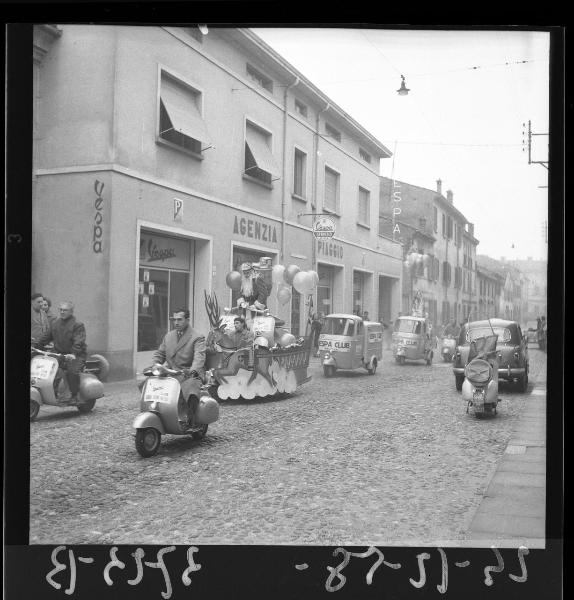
{"x":164,"y":158}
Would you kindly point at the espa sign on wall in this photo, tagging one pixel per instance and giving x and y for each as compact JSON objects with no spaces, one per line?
{"x":324,"y":228}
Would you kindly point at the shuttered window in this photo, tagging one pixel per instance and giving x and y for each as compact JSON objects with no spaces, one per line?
{"x":364,"y":206}
{"x":331,"y":200}
{"x":259,"y":161}
{"x":299,"y":169}
{"x":180,"y":121}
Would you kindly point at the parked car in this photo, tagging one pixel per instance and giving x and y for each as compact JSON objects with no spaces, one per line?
{"x":511,"y":347}
{"x":531,"y":329}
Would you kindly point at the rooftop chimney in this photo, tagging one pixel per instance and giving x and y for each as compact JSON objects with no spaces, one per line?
{"x":449,"y":195}
{"x":438,"y":186}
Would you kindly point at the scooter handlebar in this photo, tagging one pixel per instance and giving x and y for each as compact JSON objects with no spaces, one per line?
{"x":45,"y":353}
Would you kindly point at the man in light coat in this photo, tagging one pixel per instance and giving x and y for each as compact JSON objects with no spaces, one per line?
{"x":183,"y":348}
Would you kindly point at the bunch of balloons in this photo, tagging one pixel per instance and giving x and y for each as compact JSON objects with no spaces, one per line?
{"x":292,"y":276}
{"x":414,"y":259}
{"x":285,"y":278}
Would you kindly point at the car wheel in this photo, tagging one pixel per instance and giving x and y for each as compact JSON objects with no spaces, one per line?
{"x":147,"y":441}
{"x":34,"y":409}
{"x":372,"y":370}
{"x":86,"y":406}
{"x":522,"y":383}
{"x":329,"y":370}
{"x":458,"y":381}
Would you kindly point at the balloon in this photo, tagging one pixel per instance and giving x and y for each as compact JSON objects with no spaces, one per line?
{"x":315,"y":277}
{"x":290,"y":272}
{"x":419,"y":259}
{"x":286,"y":339}
{"x":407,"y":264}
{"x":283,"y":295}
{"x":303,"y":282}
{"x":277,"y":273}
{"x":426,"y":260}
{"x":233,"y":280}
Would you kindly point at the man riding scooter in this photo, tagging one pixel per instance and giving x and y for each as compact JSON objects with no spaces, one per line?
{"x":69,"y":338}
{"x":183,"y":349}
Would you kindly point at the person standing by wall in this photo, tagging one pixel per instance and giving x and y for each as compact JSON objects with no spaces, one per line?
{"x":316,"y":326}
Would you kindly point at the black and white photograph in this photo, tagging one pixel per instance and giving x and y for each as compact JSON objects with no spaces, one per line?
{"x":289,"y":287}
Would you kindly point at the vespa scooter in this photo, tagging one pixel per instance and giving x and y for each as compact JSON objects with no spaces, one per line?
{"x":164,"y":410}
{"x":480,"y":386}
{"x":45,"y":369}
{"x":448,"y":347}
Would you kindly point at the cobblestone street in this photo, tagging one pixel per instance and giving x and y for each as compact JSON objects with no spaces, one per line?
{"x":381,"y":460}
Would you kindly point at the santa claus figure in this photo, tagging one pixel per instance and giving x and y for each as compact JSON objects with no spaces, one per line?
{"x":253,"y":290}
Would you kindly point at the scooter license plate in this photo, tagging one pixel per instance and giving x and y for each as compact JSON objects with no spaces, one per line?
{"x":478,"y":398}
{"x":157,"y":396}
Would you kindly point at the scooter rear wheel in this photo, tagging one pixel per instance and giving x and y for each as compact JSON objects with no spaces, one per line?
{"x":147,"y":441}
{"x":200,"y":433}
{"x":86,"y":406}
{"x":34,"y":409}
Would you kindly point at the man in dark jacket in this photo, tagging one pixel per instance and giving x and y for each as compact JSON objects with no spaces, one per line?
{"x":69,"y":338}
{"x":183,"y":348}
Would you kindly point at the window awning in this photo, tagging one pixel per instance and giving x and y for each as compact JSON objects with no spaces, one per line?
{"x":183,"y":112}
{"x":261,"y":152}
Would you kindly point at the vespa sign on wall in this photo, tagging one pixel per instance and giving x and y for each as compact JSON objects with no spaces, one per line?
{"x":162,"y":251}
{"x":323,"y":228}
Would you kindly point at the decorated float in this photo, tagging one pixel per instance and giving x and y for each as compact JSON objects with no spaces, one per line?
{"x":265,"y":359}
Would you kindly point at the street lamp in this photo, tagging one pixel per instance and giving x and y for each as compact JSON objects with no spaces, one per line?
{"x":403,"y":90}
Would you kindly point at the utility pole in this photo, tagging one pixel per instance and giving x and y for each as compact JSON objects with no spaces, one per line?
{"x":544,"y":163}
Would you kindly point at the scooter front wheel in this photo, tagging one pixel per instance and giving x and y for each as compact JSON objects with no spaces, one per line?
{"x":199,"y":434}
{"x":328,"y":370}
{"x":86,"y":406}
{"x":147,"y":441}
{"x":34,"y":409}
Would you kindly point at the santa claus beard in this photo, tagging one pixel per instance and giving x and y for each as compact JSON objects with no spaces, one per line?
{"x":246,"y":286}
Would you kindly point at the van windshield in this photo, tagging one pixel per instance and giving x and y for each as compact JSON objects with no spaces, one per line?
{"x":339,"y":326}
{"x":408,"y":326}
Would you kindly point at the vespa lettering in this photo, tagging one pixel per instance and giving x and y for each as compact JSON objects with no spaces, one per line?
{"x":98,"y":218}
{"x":256,"y":230}
{"x":396,"y":208}
{"x":154,"y":252}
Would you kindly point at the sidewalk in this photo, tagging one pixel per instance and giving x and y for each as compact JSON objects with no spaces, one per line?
{"x":513,"y":509}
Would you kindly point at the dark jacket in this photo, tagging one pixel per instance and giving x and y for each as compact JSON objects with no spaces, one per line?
{"x":260,"y":292}
{"x":69,"y":337}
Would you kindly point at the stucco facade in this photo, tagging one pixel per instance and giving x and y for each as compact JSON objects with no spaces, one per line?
{"x":126,"y":222}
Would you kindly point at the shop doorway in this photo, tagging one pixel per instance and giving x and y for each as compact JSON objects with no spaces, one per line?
{"x":166,"y":275}
{"x":385,"y":308}
{"x":325,"y":289}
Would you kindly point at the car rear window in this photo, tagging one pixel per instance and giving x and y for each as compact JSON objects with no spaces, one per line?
{"x":479,"y":332}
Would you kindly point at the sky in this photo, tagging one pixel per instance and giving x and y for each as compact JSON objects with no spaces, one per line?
{"x":462,"y":121}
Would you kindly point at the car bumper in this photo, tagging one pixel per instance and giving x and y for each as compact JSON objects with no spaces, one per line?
{"x":503,"y":372}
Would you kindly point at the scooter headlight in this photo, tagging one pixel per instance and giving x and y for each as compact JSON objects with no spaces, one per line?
{"x":156,"y":372}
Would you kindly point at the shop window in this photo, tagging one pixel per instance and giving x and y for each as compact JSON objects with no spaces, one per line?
{"x":301,"y":108}
{"x":358,"y":292}
{"x":364,"y":206}
{"x":259,"y":78}
{"x":331,"y":200}
{"x":325,"y":290}
{"x":332,"y":133}
{"x":259,"y":161}
{"x":180,"y":122}
{"x":299,"y":173}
